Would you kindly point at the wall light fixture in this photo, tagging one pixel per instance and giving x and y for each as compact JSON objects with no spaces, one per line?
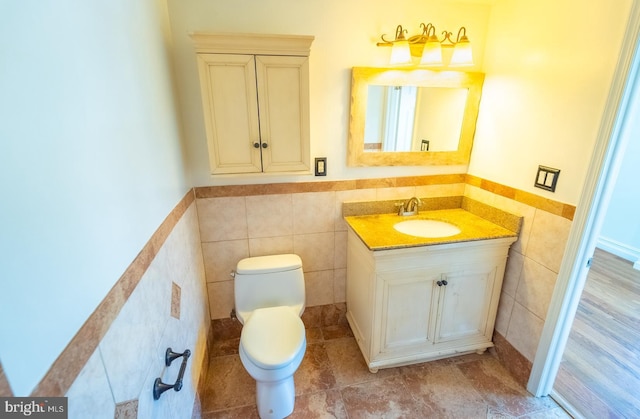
{"x":429,"y":47}
{"x":400,"y":51}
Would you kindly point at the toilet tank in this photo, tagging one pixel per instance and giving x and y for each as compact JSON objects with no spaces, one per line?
{"x":269,"y":281}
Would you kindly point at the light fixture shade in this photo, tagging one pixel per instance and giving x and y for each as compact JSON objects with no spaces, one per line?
{"x":400,"y":53}
{"x":432,"y":53}
{"x":462,"y":53}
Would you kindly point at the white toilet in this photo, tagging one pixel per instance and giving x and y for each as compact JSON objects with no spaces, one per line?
{"x":270,"y":298}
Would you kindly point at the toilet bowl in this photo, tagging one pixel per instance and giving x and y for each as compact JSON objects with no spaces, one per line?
{"x":272,"y":345}
{"x":269,"y":295}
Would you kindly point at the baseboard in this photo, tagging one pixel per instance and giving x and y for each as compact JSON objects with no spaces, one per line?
{"x":622,"y":250}
{"x":516,"y":363}
{"x":202,"y":379}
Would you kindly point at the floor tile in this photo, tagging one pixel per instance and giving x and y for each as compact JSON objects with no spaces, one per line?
{"x":500,"y":390}
{"x":324,"y":404}
{"x":348,"y":364}
{"x":225,"y":347}
{"x":244,"y":412}
{"x":315,"y":373}
{"x":334,"y":381}
{"x":336,"y":331}
{"x":386,"y":398}
{"x":314,"y":334}
{"x":445,"y":389}
{"x":228,"y":384}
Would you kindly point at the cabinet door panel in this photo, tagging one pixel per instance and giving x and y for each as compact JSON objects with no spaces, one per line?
{"x":406,"y":314}
{"x":464,"y":303}
{"x":283,"y":86}
{"x":231,"y":112}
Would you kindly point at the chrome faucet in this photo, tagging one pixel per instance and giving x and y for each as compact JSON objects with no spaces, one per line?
{"x":410,"y":207}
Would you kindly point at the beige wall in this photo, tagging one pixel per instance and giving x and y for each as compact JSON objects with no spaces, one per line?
{"x":548,"y":65}
{"x":543,"y":95}
{"x":345,"y":36}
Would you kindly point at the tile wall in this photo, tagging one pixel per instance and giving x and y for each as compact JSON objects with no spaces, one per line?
{"x":532,"y":268}
{"x":167,"y":308}
{"x":308,"y":223}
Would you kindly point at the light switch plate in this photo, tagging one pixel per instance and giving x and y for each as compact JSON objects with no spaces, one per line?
{"x":547,"y":178}
{"x":321,"y":166}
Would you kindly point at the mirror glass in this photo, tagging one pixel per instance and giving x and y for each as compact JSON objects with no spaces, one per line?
{"x":412,"y":117}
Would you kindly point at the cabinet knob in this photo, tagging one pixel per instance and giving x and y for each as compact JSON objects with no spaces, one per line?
{"x":265,"y":145}
{"x":444,"y":282}
{"x":439,"y":283}
{"x":256,"y":145}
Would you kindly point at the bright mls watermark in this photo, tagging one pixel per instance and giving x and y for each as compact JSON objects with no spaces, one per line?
{"x":33,"y":407}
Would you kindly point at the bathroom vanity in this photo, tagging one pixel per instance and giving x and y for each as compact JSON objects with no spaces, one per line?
{"x":414,"y":299}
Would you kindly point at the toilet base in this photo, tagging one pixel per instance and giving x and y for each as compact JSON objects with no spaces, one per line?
{"x":275,"y":399}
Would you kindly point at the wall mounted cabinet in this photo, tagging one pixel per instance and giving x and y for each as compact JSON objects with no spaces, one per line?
{"x":422,"y":303}
{"x":255,"y":97}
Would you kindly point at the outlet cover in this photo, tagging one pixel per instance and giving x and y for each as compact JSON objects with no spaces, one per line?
{"x":547,"y":178}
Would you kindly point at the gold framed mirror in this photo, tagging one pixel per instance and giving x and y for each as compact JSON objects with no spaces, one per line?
{"x":412,"y":117}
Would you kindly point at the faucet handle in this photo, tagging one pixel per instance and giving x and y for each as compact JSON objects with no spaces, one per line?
{"x":413,"y":204}
{"x":400,"y":206}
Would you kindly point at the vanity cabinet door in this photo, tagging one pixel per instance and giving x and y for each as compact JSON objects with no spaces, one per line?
{"x":465,"y":302}
{"x":407,"y":318}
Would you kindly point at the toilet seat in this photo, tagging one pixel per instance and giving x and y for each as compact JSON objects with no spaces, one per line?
{"x":272,"y":337}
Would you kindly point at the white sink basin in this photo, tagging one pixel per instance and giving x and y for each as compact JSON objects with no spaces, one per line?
{"x":426,"y":228}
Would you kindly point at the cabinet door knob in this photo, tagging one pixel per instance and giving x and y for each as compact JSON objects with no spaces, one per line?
{"x":265,"y":145}
{"x":256,"y":145}
{"x":444,"y":282}
{"x":439,"y":283}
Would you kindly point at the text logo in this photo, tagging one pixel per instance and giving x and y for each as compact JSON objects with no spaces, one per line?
{"x":33,"y":407}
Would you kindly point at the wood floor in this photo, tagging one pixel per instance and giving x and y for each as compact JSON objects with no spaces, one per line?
{"x":600,"y":370}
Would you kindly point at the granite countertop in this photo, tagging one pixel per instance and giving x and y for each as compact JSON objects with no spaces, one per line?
{"x":377,"y":232}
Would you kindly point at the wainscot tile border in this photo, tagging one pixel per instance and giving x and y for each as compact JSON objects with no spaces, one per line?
{"x":5,"y":389}
{"x":554,"y":207}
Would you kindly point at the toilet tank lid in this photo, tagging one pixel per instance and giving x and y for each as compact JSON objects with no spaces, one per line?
{"x":267,"y":264}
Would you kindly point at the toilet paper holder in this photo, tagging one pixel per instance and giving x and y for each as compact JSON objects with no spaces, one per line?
{"x":158,"y":386}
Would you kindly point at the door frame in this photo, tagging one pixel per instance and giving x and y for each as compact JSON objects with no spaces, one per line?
{"x":590,"y":212}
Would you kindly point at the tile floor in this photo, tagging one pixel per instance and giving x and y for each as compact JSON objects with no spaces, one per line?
{"x":334,"y":382}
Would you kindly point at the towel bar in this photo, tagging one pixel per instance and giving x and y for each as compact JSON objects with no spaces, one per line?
{"x":158,"y":386}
